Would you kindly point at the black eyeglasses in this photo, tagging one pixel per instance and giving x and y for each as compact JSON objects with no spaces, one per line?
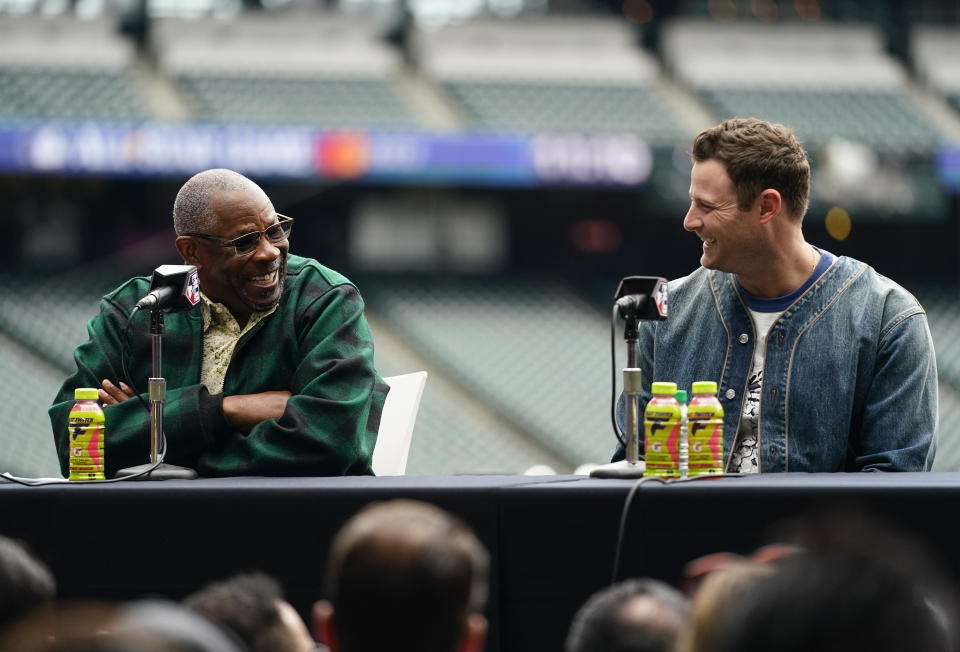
{"x":248,"y":242}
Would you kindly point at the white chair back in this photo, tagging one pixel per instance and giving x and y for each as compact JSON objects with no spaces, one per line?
{"x":396,"y":423}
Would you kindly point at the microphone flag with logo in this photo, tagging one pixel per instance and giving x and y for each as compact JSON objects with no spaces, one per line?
{"x":173,"y":288}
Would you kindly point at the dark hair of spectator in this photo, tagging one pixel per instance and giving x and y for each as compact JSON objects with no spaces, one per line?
{"x":858,"y":588}
{"x":25,"y":582}
{"x":404,"y":575}
{"x":615,"y":619}
{"x":247,"y":605}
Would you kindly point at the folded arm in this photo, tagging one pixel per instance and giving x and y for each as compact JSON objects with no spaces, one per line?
{"x":326,"y":422}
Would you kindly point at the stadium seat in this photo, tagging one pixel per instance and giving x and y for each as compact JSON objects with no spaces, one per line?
{"x":788,"y":73}
{"x":555,"y":74}
{"x":333,"y":70}
{"x":314,"y":100}
{"x":534,"y":351}
{"x":564,"y":107}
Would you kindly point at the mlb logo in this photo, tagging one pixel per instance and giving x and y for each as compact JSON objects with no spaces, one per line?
{"x":660,"y":296}
{"x":193,"y":288}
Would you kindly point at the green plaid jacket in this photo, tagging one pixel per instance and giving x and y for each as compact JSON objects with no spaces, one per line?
{"x":316,"y":345}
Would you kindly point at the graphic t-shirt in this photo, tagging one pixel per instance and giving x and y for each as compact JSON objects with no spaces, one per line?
{"x":764,"y":312}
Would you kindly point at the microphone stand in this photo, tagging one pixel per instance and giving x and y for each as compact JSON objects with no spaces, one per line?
{"x":631,"y":392}
{"x":157,"y":392}
{"x":631,"y":466}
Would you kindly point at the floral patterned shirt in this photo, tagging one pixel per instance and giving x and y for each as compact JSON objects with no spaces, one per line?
{"x":221,"y":332}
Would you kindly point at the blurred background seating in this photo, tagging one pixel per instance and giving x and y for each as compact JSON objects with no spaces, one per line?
{"x":59,"y":67}
{"x":308,"y":67}
{"x":584,"y":76}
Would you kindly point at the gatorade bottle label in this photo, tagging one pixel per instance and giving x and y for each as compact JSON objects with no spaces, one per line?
{"x":86,"y":441}
{"x":662,"y":437}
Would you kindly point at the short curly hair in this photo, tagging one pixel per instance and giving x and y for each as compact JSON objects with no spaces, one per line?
{"x":759,"y":155}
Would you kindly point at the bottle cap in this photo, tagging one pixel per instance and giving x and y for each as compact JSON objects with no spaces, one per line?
{"x":705,"y":387}
{"x":664,"y":389}
{"x":681,"y":396}
{"x":86,"y":394}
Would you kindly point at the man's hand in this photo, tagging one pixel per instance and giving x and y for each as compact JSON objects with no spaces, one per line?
{"x":244,"y":411}
{"x":110,"y":394}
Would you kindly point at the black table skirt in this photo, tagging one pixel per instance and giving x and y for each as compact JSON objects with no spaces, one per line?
{"x":552,"y":539}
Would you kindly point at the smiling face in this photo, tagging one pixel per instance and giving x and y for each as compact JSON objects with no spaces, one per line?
{"x":247,"y":283}
{"x":732,"y":238}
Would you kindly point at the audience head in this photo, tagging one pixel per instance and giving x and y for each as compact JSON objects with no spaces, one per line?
{"x":25,"y":582}
{"x":639,"y":615}
{"x":252,"y":606}
{"x":715,"y":592}
{"x":855,"y":588}
{"x":171,"y":624}
{"x":403,"y":575}
{"x":139,"y":626}
{"x":697,"y":570}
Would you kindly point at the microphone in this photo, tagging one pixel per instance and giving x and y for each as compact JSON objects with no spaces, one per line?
{"x":642,"y":297}
{"x":173,"y":288}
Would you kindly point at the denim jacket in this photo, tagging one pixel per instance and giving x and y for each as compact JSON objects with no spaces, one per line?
{"x":850,"y":376}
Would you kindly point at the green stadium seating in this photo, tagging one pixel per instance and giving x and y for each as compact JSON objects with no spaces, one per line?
{"x":304,"y":99}
{"x":533,"y":351}
{"x":28,"y":384}
{"x":64,"y":93}
{"x":565,"y":107}
{"x":885,"y":120}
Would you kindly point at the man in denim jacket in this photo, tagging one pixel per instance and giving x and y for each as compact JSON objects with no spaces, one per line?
{"x":822,"y":364}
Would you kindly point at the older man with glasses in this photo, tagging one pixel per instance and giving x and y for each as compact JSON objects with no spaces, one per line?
{"x":273,"y":375}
